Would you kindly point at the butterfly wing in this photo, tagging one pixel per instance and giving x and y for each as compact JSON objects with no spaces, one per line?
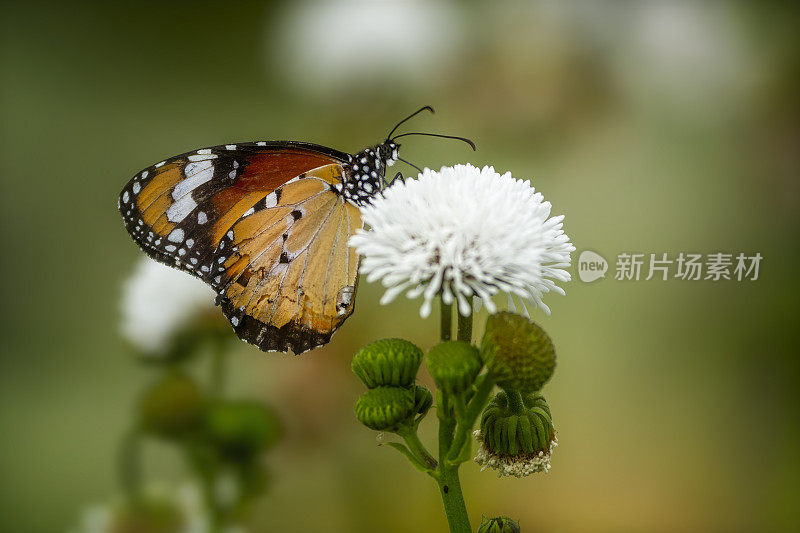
{"x":287,"y":278}
{"x":190,"y":211}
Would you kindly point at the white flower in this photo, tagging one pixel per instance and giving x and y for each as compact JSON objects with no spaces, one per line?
{"x":520,"y":465}
{"x":465,"y":232}
{"x":159,"y":301}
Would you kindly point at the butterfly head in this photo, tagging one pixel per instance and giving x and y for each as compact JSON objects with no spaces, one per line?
{"x":365,"y":172}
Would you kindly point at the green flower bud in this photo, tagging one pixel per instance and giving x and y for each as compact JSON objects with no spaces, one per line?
{"x":517,"y":352}
{"x":387,"y":363}
{"x":385,"y":408}
{"x":454,"y":365}
{"x":423,"y":399}
{"x":500,"y":524}
{"x":517,"y":434}
{"x":172,"y":407}
{"x":240,"y":430}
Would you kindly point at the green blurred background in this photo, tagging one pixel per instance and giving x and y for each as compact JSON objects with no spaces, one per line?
{"x":654,"y":127}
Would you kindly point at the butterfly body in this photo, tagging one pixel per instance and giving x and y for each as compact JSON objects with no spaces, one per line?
{"x":266,"y":225}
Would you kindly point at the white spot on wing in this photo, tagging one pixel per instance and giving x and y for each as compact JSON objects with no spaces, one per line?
{"x":230,"y":147}
{"x":126,"y":197}
{"x":202,"y":157}
{"x":196,"y":175}
{"x":136,"y":188}
{"x":181,"y":209}
{"x":176,"y":235}
{"x":158,"y":165}
{"x":201,"y":217}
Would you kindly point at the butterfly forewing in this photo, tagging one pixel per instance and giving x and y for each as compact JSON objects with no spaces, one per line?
{"x":261,"y":223}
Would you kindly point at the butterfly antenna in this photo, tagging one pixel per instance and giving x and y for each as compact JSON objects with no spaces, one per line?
{"x":409,"y":117}
{"x":464,"y":139}
{"x":409,"y":164}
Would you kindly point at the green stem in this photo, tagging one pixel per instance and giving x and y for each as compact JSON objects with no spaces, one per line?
{"x":417,"y":448}
{"x":447,"y":423}
{"x":130,"y":475}
{"x":447,"y":475}
{"x":454,"y":507}
{"x":484,"y":386}
{"x":515,"y":405}
{"x":446,"y":320}
{"x":413,"y":459}
{"x":465,"y":326}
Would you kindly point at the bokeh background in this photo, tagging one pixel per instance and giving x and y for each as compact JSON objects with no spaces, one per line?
{"x":653,"y":126}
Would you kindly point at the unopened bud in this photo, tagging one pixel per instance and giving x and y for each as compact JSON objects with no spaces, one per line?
{"x":387,"y":363}
{"x":517,"y":352}
{"x":385,"y":408}
{"x":454,"y":365}
{"x":500,"y":524}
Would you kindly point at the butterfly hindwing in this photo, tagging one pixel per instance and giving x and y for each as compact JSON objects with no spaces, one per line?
{"x":287,"y":278}
{"x":262,"y":224}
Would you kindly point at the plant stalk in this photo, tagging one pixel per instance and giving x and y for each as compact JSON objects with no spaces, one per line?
{"x":515,"y":405}
{"x":454,"y":507}
{"x":465,"y":326}
{"x":416,"y":447}
{"x":446,"y":320}
{"x":447,"y":474}
{"x":484,"y":386}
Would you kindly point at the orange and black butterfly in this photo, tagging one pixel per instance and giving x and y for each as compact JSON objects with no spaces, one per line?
{"x":266,"y":224}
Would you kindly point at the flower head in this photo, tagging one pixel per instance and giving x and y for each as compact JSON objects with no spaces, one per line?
{"x":158,"y":302}
{"x":519,"y":465}
{"x":465,"y":232}
{"x":517,"y":435}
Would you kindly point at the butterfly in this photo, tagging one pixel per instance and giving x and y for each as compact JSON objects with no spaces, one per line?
{"x":266,"y":225}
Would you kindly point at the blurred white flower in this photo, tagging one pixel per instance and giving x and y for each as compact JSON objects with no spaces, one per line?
{"x":690,"y":52}
{"x":465,"y":232}
{"x":159,"y":510}
{"x":331,"y":45}
{"x":159,"y":301}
